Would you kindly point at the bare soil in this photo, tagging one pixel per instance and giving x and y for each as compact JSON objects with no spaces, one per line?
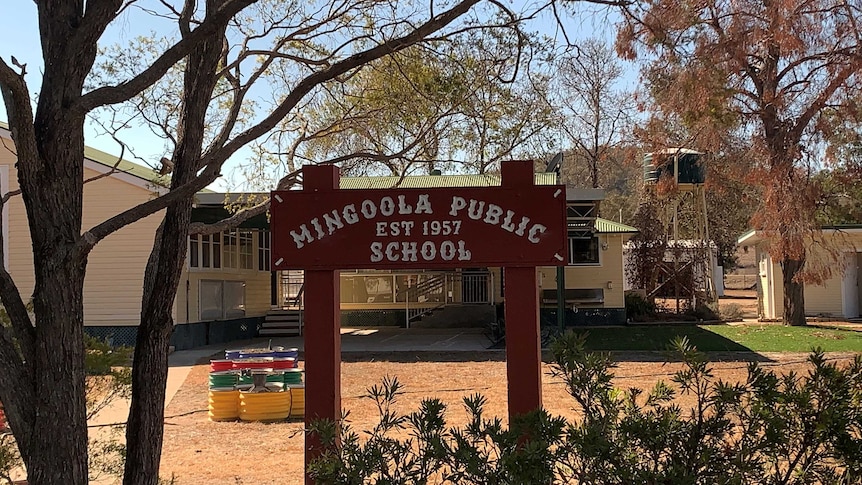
{"x":198,"y":452}
{"x":743,"y":300}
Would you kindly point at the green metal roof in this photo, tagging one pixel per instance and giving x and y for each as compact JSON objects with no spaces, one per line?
{"x":104,"y":158}
{"x":604,"y":226}
{"x":125,"y":166}
{"x":434,"y":181}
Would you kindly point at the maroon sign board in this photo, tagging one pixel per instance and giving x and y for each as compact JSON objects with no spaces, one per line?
{"x":439,"y":228}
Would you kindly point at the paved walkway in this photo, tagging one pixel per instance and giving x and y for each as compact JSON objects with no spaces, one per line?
{"x":385,"y":339}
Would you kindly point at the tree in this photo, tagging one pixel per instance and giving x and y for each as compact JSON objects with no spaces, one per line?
{"x":595,"y":113}
{"x":841,"y":199}
{"x":776,"y":72}
{"x":462,"y":106}
{"x":222,"y":51}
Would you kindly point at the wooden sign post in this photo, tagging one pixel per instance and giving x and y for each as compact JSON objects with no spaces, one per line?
{"x":322,"y":229}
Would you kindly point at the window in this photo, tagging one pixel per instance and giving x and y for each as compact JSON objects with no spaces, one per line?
{"x":264,"y":245}
{"x":238,"y":250}
{"x":583,"y":248}
{"x":205,"y":251}
{"x":231,"y":250}
{"x":246,"y":250}
{"x":221,"y":299}
{"x":194,"y":251}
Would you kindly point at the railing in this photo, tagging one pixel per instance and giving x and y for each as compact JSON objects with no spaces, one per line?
{"x":472,"y":287}
{"x":419,"y":293}
{"x":293,"y":291}
{"x":423,"y":296}
{"x":292,"y":286}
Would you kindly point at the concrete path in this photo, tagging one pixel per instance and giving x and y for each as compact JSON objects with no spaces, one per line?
{"x":179,"y":366}
{"x":385,"y":339}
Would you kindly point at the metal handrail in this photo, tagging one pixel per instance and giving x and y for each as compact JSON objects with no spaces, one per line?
{"x":422,"y":289}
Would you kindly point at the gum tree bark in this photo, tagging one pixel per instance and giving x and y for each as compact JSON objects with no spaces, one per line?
{"x":145,"y":428}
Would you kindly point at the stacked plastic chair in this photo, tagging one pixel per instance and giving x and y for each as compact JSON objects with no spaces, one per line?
{"x":279,"y":394}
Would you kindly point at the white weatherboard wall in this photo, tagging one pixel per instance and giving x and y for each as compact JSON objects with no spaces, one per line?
{"x":115,"y":270}
{"x":836,"y":297}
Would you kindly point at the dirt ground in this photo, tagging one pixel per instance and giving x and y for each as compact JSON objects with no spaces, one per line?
{"x":198,"y":452}
{"x":744,"y":300}
{"x":741,"y":303}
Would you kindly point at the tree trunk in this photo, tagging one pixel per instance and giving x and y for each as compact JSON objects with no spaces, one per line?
{"x":58,"y":434}
{"x":794,"y":295}
{"x":145,"y":429}
{"x":56,"y":452}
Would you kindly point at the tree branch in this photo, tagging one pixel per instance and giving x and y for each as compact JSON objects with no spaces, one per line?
{"x":16,"y":96}
{"x":125,"y":91}
{"x":212,"y":162}
{"x":239,"y":217}
{"x":819,"y":103}
{"x":20,"y":323}
{"x":230,"y":222}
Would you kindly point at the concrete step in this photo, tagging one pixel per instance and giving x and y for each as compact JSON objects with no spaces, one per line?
{"x":279,"y":332}
{"x":295,"y":319}
{"x":282,"y":323}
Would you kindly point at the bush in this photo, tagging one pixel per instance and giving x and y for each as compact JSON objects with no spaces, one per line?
{"x":639,"y":308}
{"x":703,"y":311}
{"x":101,"y":358}
{"x":109,"y":378}
{"x":731,"y":312}
{"x":771,"y":429}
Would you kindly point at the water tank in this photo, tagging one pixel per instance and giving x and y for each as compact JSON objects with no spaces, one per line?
{"x":692,"y":169}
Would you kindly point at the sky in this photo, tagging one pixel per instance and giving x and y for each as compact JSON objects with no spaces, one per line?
{"x":19,"y":37}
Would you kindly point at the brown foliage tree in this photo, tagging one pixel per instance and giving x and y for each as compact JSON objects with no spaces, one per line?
{"x":776,"y":71}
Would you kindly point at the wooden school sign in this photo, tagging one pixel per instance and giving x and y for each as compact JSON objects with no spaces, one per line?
{"x":420,"y":228}
{"x":322,"y":229}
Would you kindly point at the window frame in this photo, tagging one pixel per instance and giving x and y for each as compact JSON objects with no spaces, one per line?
{"x":584,"y":236}
{"x":245,"y":247}
{"x":204,"y":252}
{"x":264,"y":251}
{"x":230,"y":249}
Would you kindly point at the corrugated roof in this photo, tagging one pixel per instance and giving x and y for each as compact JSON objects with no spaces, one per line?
{"x":125,"y":166}
{"x":754,"y":237}
{"x":604,"y":226}
{"x":434,"y":181}
{"x":109,"y":160}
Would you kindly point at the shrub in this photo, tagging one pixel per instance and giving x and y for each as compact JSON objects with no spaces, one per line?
{"x":731,"y":312}
{"x":771,"y":429}
{"x":101,"y":358}
{"x":639,"y":308}
{"x":109,"y":378}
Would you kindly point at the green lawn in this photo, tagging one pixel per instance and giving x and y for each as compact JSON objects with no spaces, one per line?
{"x":711,"y":338}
